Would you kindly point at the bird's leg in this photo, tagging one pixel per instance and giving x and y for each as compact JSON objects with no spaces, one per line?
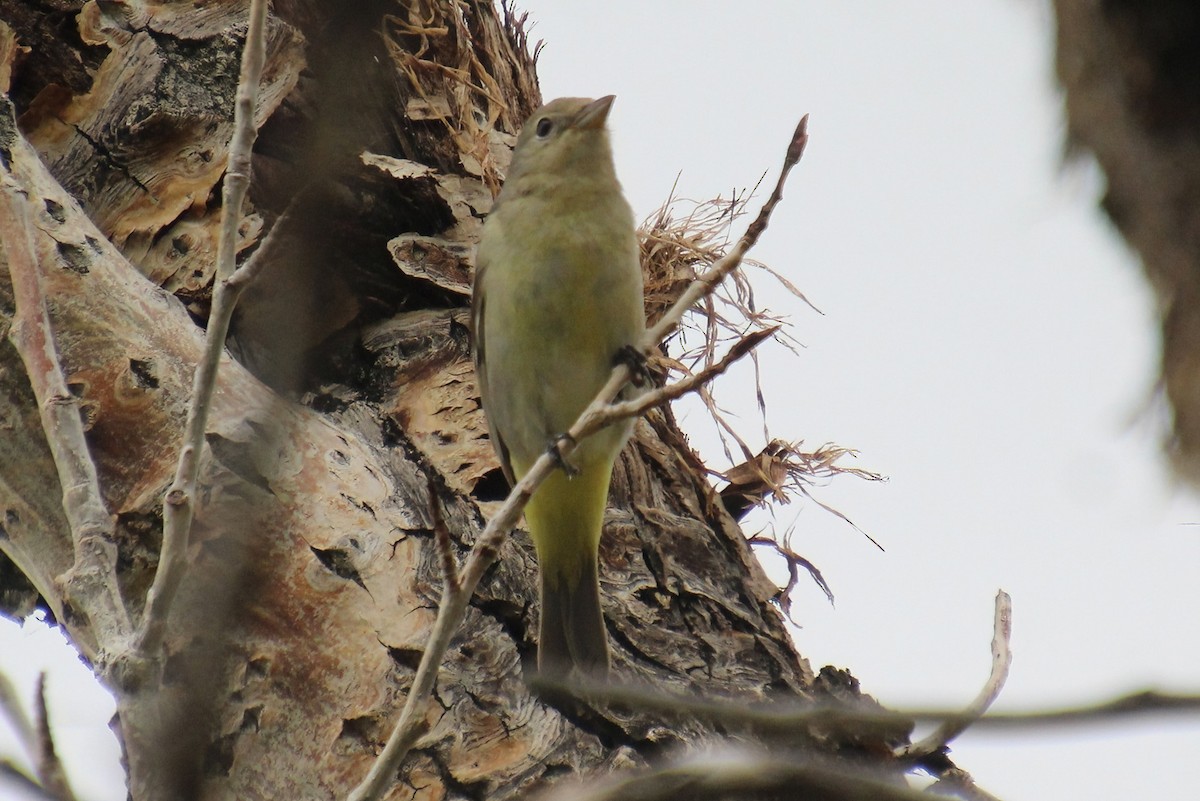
{"x":555,"y":451}
{"x":640,"y":373}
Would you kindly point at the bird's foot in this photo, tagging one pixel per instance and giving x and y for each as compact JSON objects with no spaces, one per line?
{"x":640,"y":373}
{"x":555,"y":449}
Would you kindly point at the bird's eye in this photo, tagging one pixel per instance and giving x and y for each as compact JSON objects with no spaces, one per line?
{"x":544,"y":127}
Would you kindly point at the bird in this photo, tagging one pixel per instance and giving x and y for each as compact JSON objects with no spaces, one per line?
{"x":557,"y":296}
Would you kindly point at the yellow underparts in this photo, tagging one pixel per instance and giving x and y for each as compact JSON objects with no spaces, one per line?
{"x":565,"y":518}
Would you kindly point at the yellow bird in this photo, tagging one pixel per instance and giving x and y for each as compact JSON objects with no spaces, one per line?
{"x":557,"y":295}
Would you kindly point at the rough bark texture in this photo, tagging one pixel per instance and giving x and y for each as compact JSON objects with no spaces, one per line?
{"x":1131,"y":70}
{"x":350,"y":413}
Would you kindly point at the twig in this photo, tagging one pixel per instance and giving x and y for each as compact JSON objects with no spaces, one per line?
{"x":718,"y":777}
{"x":1147,"y":702}
{"x":455,"y":599}
{"x":613,"y":412}
{"x":785,"y":720}
{"x":91,"y":582}
{"x":48,"y":766}
{"x":245,"y":275}
{"x":794,"y":562}
{"x":777,"y":722}
{"x":36,"y":739}
{"x":954,"y":780}
{"x":179,"y":506}
{"x":950,"y":728}
{"x":24,"y":783}
{"x":10,"y":707}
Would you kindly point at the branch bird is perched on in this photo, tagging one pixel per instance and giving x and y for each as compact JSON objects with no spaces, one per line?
{"x":557,"y":295}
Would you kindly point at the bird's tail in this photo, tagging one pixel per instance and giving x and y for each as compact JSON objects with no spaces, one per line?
{"x":565,"y":517}
{"x":572,"y":630}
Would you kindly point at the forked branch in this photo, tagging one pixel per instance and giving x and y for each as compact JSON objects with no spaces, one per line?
{"x":179,"y":506}
{"x":91,"y":582}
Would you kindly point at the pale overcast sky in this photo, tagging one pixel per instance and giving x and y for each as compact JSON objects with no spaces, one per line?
{"x":987,"y":342}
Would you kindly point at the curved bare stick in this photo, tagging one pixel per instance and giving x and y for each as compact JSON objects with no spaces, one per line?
{"x":951,"y":727}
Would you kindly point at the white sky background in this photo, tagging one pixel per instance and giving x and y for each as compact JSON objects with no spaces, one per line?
{"x":987,"y":342}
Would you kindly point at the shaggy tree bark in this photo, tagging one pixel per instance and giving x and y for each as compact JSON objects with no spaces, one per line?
{"x":347,"y":426}
{"x":1131,"y":71}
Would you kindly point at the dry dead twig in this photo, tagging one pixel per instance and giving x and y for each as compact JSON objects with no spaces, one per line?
{"x":783,"y":718}
{"x":179,"y":505}
{"x":11,"y":708}
{"x":947,"y":730}
{"x":49,"y":767}
{"x":447,"y":78}
{"x":772,"y":475}
{"x":91,"y":582}
{"x":716,"y":776}
{"x":678,"y":242}
{"x":37,"y":740}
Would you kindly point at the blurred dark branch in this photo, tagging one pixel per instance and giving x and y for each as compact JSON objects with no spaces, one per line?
{"x":37,"y":741}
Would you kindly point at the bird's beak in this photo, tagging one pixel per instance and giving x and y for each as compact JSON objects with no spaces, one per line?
{"x":592,"y":116}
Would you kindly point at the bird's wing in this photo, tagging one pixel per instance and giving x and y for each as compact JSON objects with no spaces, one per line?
{"x":478,"y":309}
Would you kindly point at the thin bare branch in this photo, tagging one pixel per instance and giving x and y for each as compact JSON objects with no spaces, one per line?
{"x":245,"y":275}
{"x":36,"y":740}
{"x":11,"y":708}
{"x":720,"y":776}
{"x":1139,"y":704}
{"x":689,"y":383}
{"x":27,"y":785}
{"x":794,"y":562}
{"x":452,"y":609}
{"x":180,"y":501}
{"x":49,"y":769}
{"x":777,"y":722}
{"x":956,"y":781}
{"x":940,"y":737}
{"x":91,"y":582}
{"x":782,"y":720}
{"x":704,"y":284}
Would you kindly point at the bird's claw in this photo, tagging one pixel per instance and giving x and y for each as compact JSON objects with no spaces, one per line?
{"x":632,"y":357}
{"x":556,"y":453}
